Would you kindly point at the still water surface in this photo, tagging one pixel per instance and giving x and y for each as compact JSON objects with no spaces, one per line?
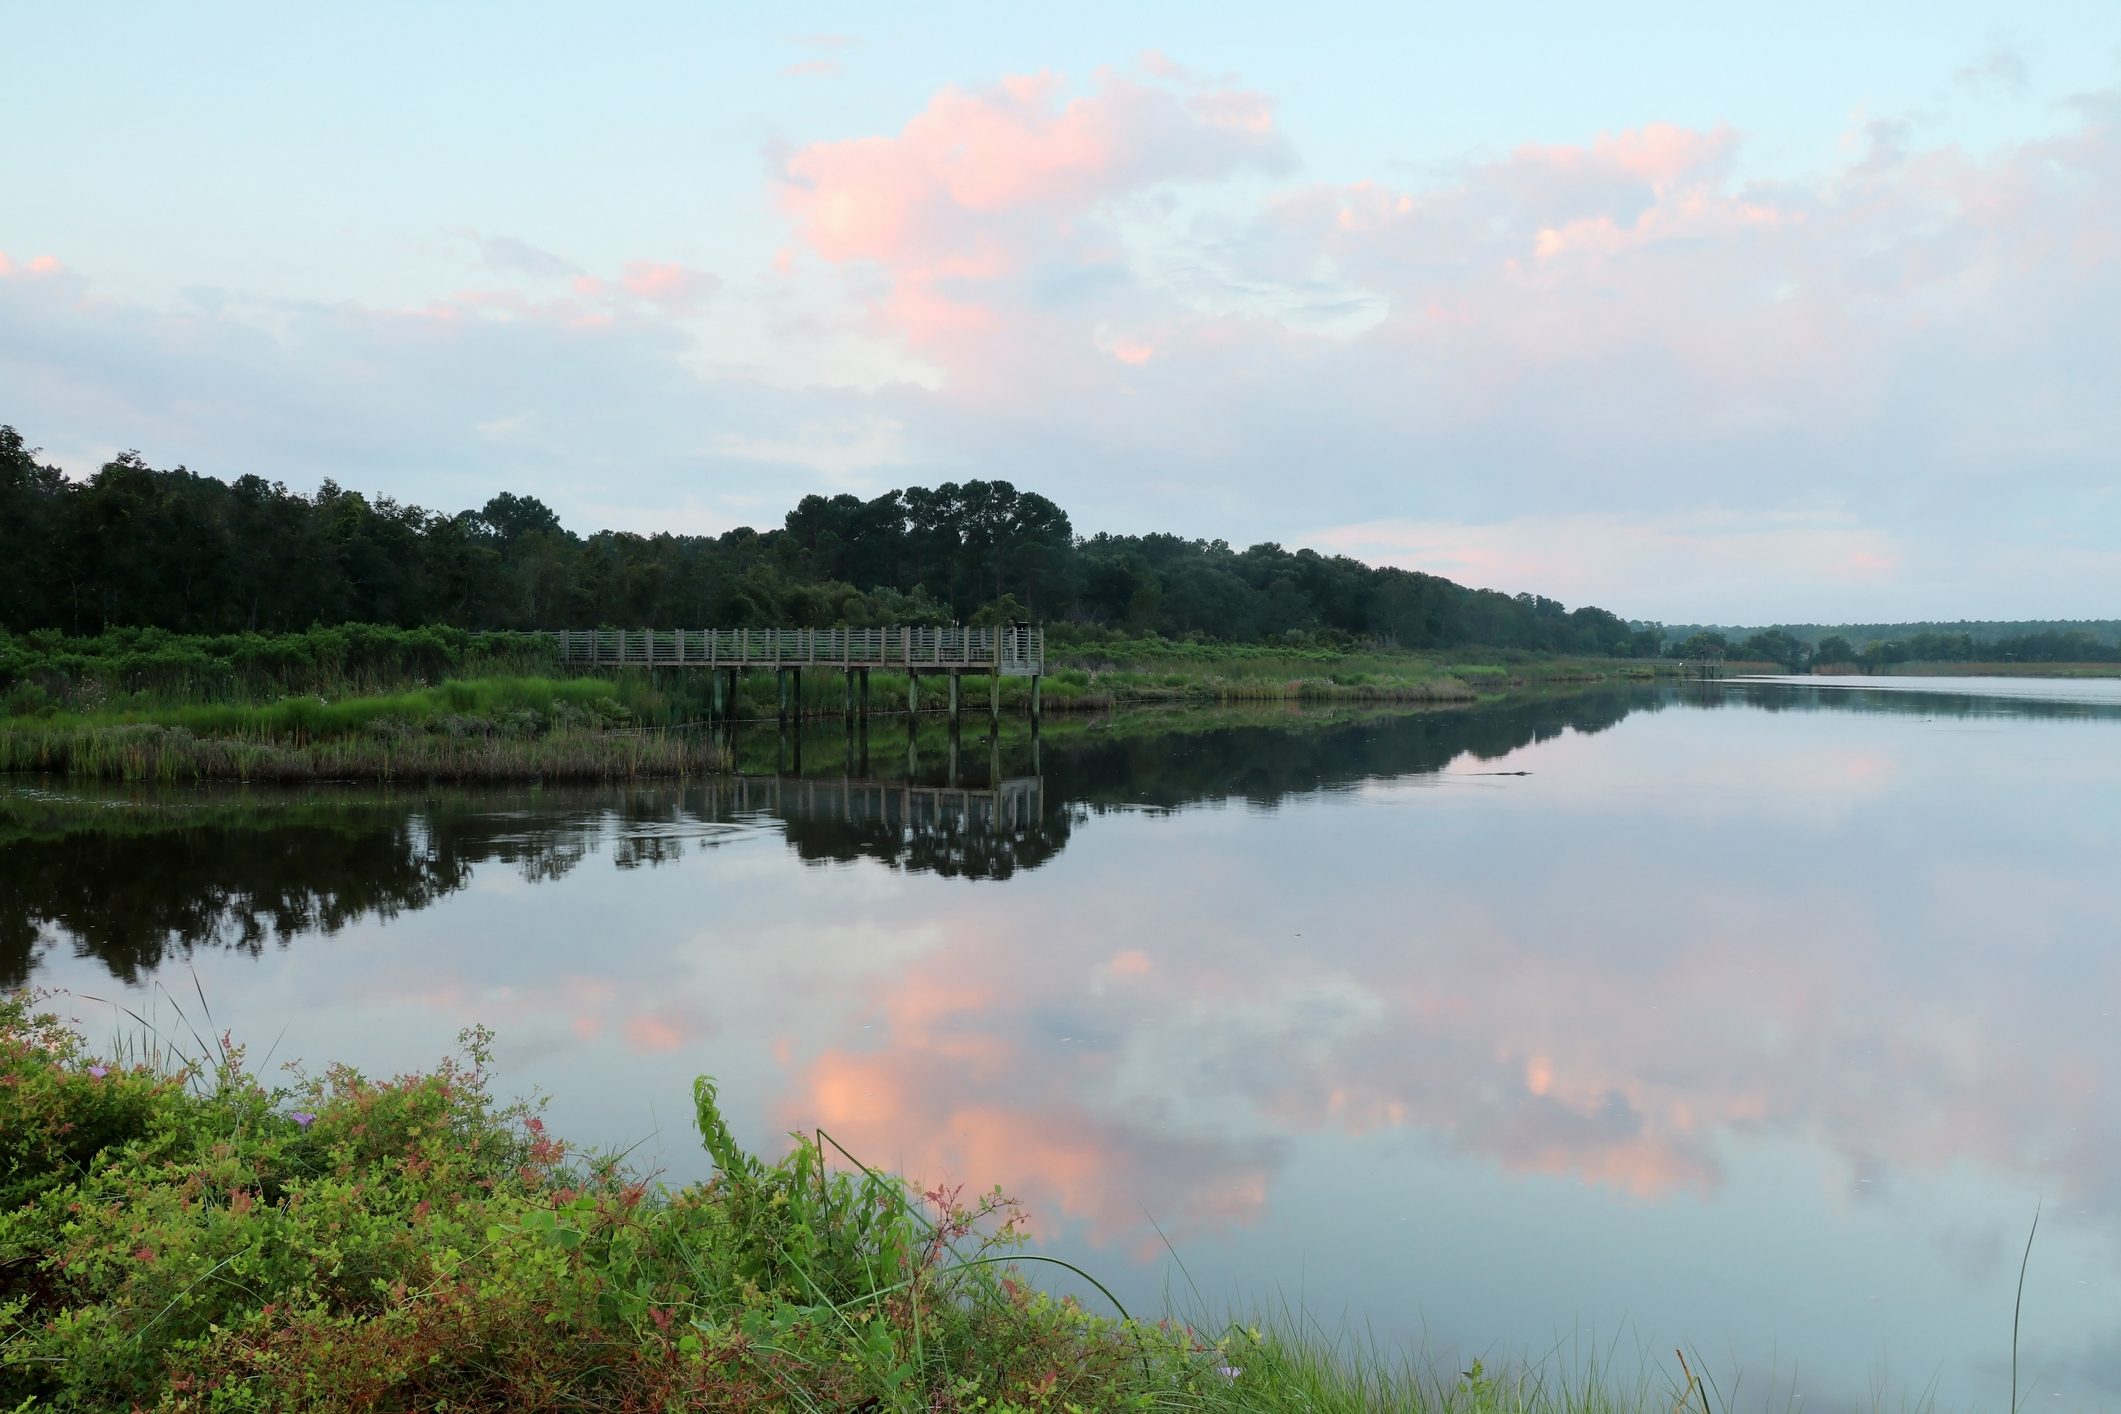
{"x":1755,"y":1016}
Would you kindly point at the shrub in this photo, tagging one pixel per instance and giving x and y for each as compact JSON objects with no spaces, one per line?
{"x":180,"y":1238}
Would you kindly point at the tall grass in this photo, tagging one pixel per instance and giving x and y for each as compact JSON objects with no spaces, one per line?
{"x":90,"y":672}
{"x":488,"y":729}
{"x":526,"y":702}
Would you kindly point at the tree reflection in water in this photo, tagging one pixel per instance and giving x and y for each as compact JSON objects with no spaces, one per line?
{"x":133,"y":879}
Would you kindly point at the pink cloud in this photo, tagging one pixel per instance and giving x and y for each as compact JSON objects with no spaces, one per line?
{"x":812,"y":69}
{"x":982,"y":187}
{"x":1658,"y":154}
{"x":35,"y":265}
{"x":668,"y":285}
{"x":657,"y":1033}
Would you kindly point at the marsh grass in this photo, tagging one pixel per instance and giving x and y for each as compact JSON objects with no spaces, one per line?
{"x":1122,"y":670}
{"x":333,"y":681}
{"x":489,"y":729}
{"x":154,"y":666}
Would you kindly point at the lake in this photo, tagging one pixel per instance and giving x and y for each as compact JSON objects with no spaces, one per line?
{"x":1755,"y":1016}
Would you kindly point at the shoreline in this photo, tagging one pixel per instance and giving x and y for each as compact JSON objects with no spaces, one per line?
{"x":638,"y":724}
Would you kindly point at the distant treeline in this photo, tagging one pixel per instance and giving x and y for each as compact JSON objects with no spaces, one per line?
{"x":1883,"y":645}
{"x":137,"y":546}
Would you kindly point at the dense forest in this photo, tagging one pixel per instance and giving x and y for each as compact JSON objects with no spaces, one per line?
{"x":140,"y":547}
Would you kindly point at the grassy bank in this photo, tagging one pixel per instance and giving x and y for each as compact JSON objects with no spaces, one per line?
{"x":1118,"y":669}
{"x":177,"y":1235}
{"x":109,"y":670}
{"x":143,"y":671}
{"x":486,"y":729}
{"x":414,"y":706}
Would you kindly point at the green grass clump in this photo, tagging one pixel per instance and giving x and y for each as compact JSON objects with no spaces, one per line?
{"x":175,"y":1234}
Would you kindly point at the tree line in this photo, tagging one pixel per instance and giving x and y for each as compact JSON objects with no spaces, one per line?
{"x":2046,"y":645}
{"x":133,"y":545}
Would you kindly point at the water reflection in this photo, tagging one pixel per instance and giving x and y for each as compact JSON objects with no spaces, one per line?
{"x":1762,"y":1025}
{"x":134,"y":877}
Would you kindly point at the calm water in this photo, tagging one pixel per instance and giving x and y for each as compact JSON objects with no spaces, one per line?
{"x":1757,"y":1017}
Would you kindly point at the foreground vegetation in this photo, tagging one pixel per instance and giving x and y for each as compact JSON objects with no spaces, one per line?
{"x":177,"y":1235}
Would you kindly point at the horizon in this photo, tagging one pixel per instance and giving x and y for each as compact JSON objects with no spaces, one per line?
{"x":1653,"y":326}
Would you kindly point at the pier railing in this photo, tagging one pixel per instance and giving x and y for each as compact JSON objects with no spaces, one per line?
{"x":1016,"y":650}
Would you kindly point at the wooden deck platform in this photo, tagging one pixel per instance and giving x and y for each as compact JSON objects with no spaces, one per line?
{"x":1014,"y":651}
{"x":1018,"y":651}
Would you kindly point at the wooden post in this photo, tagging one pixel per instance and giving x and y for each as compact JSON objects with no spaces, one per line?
{"x":913,"y":691}
{"x":847,"y":707}
{"x":865,"y":694}
{"x":782,"y":675}
{"x":1035,"y":679}
{"x":953,"y":699}
{"x":994,"y":697}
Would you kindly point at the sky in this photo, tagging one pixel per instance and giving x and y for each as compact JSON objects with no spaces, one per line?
{"x":1736,"y":313}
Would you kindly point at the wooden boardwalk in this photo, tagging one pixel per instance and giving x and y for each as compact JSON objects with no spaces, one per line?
{"x":1014,"y":651}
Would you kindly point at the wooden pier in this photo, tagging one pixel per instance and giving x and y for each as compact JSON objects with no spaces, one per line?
{"x":1014,"y":651}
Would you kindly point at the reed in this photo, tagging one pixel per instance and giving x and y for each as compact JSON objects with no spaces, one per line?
{"x":491,"y":729}
{"x":88,"y":672}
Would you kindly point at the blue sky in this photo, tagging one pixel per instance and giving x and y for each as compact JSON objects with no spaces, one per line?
{"x":1698,"y":312}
